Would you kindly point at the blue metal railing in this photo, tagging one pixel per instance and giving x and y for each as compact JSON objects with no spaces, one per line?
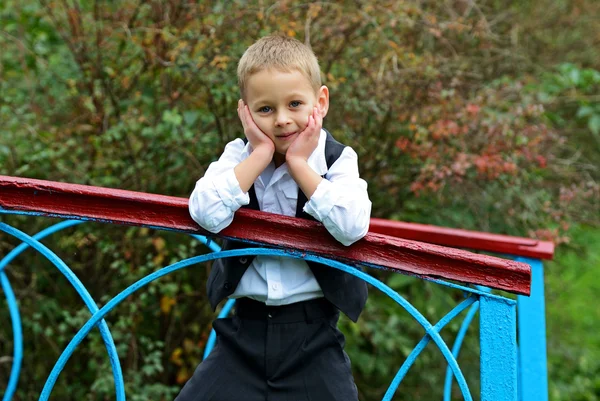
{"x":500,"y":379}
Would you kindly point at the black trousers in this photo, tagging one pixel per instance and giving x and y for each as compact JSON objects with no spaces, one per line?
{"x":276,"y":353}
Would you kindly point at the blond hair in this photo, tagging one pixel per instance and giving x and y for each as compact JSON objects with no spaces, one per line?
{"x":282,"y":53}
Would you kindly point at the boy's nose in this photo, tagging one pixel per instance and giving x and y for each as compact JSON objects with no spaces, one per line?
{"x":282,"y":119}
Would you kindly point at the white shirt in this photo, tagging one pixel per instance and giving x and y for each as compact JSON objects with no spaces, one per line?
{"x":340,"y":202}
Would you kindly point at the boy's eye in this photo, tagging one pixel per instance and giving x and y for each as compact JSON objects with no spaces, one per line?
{"x":264,"y":109}
{"x":295,"y":103}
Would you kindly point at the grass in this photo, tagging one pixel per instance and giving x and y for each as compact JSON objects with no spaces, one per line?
{"x":573,"y":318}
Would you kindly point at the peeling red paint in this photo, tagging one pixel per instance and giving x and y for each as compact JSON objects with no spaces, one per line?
{"x":142,"y":209}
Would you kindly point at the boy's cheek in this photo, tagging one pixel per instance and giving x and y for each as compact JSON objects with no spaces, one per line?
{"x":262,"y":125}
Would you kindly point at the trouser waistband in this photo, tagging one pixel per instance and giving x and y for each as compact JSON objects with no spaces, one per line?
{"x":312,"y":309}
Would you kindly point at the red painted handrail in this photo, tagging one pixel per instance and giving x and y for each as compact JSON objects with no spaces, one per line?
{"x":166,"y":212}
{"x":467,"y":239}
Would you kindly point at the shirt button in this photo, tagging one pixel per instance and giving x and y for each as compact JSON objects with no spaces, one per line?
{"x":275,"y":286}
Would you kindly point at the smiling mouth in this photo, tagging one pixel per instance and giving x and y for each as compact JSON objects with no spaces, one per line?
{"x":286,"y":135}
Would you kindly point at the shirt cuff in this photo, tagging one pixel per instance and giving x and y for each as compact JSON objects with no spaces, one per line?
{"x":322,"y":201}
{"x":230,"y":192}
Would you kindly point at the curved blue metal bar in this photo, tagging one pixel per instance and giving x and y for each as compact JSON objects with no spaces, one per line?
{"x":212,"y":245}
{"x":477,"y":289}
{"x":15,"y":318}
{"x":85,"y":296}
{"x":87,"y":327}
{"x":13,"y":306}
{"x":42,"y":234}
{"x":412,"y":357}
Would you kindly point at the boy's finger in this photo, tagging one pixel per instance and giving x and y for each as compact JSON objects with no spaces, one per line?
{"x":316,"y":121}
{"x":318,"y":115}
{"x":242,"y":118}
{"x":311,"y":118}
{"x":311,"y":124}
{"x":249,"y":119}
{"x":239,"y":108}
{"x":315,"y":126}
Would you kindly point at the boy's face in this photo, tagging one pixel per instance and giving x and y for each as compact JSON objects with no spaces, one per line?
{"x":281,"y":102}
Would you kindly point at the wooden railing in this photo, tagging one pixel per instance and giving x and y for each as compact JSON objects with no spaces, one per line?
{"x":37,"y":197}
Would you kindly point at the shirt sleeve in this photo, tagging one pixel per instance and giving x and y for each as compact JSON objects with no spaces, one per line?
{"x":341,"y":201}
{"x":217,"y":195}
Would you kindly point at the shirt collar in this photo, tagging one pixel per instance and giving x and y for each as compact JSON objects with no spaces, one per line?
{"x":246,"y":151}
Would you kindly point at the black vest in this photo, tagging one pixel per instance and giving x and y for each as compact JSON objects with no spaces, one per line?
{"x":347,"y":292}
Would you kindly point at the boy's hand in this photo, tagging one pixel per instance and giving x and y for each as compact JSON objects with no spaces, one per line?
{"x":307,"y":141}
{"x":299,"y":152}
{"x":263,"y":148}
{"x":255,"y":136}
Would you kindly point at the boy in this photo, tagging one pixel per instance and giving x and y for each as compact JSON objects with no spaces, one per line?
{"x":283,"y":342}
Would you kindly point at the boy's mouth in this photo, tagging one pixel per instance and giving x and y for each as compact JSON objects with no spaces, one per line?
{"x":286,"y":135}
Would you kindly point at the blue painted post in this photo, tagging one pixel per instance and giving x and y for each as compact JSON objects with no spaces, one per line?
{"x":533,"y":368}
{"x":498,"y":340}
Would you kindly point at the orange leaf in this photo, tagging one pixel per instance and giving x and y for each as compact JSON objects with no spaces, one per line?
{"x":166,"y":303}
{"x":176,"y":356}
{"x":182,"y":376}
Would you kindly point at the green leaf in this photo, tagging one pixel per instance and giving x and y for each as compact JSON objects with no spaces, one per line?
{"x":172,"y":117}
{"x":399,"y":281}
{"x":575,"y":76}
{"x":190,"y":117}
{"x":594,"y":124}
{"x":585,"y":111}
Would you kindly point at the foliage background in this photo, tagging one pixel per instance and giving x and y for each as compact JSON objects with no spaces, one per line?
{"x":481,"y":115}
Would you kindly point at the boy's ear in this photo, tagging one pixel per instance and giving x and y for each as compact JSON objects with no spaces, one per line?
{"x":323,"y":100}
